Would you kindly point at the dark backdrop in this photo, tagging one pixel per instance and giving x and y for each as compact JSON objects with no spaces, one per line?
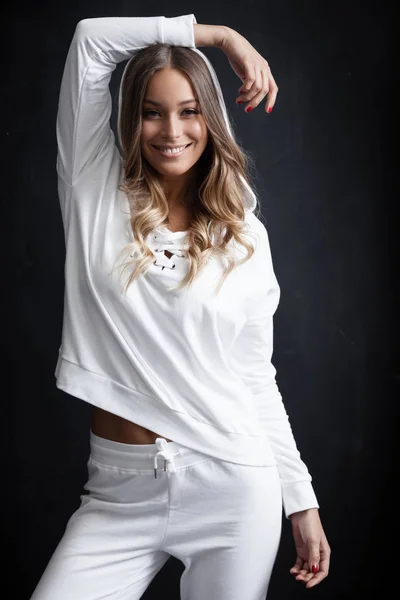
{"x":325,"y":162}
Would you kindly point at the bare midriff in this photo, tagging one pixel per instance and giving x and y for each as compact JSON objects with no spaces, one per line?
{"x":115,"y":428}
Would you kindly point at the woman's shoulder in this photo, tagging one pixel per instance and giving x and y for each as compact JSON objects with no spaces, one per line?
{"x":256,"y":223}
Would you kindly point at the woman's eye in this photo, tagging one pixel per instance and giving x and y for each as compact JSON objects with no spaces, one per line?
{"x":187,"y":110}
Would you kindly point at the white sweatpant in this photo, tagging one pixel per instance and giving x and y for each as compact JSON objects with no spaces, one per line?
{"x":221,"y":519}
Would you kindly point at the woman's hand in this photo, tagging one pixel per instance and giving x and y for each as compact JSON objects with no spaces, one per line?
{"x":313,"y":551}
{"x":251,"y":68}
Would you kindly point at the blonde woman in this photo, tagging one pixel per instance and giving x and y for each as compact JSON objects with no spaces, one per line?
{"x":168,"y":325}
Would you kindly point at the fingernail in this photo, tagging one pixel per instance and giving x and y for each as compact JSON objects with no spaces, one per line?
{"x":240,"y":102}
{"x":249,"y":109}
{"x":270,"y":109}
{"x":315,"y":568}
{"x":241,"y":92}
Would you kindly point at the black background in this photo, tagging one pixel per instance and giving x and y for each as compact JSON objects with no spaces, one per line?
{"x":325,"y":161}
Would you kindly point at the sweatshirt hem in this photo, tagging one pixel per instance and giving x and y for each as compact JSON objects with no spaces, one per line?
{"x":145,"y":410}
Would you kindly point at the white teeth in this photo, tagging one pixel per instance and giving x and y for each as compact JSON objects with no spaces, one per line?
{"x":171,"y":150}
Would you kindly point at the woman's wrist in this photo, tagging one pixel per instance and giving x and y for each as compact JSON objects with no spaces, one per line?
{"x":302,"y":512}
{"x":209,"y":35}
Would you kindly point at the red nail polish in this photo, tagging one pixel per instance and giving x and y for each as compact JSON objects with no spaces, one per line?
{"x":270,"y":109}
{"x":240,"y":102}
{"x":249,"y":109}
{"x":315,"y":568}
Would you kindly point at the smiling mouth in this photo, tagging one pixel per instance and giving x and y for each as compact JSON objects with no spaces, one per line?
{"x":171,"y":154}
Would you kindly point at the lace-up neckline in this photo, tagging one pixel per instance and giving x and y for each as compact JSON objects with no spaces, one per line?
{"x":163,"y":231}
{"x":169,"y":241}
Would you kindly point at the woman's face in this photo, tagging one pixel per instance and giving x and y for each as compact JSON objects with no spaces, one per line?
{"x":169,"y":120}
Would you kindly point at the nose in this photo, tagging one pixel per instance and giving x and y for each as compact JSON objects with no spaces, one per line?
{"x":171,"y":128}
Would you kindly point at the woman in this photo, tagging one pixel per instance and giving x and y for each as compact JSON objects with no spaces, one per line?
{"x":169,"y":298}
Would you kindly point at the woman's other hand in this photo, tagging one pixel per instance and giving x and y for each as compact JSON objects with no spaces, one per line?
{"x":251,"y":68}
{"x":313,"y":551}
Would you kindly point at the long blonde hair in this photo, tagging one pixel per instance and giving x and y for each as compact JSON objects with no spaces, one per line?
{"x":216,"y":192}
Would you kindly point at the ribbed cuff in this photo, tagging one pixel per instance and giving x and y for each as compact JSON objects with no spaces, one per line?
{"x":179,"y":31}
{"x":298,"y":496}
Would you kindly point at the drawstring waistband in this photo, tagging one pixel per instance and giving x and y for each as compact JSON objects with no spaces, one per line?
{"x":163,"y":451}
{"x":143,"y":457}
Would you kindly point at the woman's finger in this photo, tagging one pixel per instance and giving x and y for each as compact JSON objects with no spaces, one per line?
{"x":323,"y":570}
{"x":253,"y":69}
{"x":297,"y":566}
{"x":272,"y":93}
{"x":307,"y":577}
{"x":304,"y":571}
{"x":314,"y":554}
{"x":267,"y":87}
{"x":317,"y":578}
{"x":249,"y":80}
{"x":263,"y":90}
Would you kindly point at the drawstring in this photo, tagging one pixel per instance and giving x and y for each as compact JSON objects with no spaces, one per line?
{"x":162,"y":444}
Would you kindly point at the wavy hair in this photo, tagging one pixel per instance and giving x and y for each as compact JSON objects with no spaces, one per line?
{"x":216,"y":190}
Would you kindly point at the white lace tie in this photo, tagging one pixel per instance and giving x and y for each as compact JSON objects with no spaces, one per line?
{"x":174,"y":243}
{"x":175,"y":248}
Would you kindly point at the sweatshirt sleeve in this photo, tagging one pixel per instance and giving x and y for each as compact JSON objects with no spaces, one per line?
{"x":85,"y":105}
{"x":252,"y":356}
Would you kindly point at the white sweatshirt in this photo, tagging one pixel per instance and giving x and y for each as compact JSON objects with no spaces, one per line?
{"x":190,"y":365}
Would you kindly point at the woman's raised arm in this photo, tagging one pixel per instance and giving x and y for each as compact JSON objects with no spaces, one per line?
{"x":85,"y":105}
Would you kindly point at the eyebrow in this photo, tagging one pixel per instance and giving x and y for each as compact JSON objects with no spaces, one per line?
{"x":159,"y":104}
